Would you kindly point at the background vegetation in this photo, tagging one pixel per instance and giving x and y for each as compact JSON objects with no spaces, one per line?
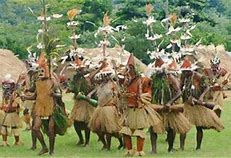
{"x":18,"y":26}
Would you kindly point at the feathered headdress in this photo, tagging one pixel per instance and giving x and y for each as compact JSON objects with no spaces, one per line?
{"x":131,"y":60}
{"x":72,"y":13}
{"x":106,"y":20}
{"x":42,"y":62}
{"x":173,"y":19}
{"x":148,"y":8}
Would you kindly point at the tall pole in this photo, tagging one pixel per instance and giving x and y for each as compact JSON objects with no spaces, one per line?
{"x":166,"y":13}
{"x":45,"y":34}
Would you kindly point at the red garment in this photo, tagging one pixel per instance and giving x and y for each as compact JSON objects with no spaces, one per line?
{"x":208,"y":72}
{"x":138,"y":86}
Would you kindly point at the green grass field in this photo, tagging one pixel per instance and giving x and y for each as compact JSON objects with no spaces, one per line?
{"x":214,"y":144}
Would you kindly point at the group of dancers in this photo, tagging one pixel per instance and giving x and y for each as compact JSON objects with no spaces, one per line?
{"x":116,"y":100}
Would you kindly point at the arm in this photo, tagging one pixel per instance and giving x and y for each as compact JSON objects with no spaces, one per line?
{"x":92,"y":75}
{"x":201,"y":98}
{"x":92,"y":92}
{"x":31,"y":89}
{"x":24,"y":97}
{"x":226,"y":80}
{"x":175,"y":83}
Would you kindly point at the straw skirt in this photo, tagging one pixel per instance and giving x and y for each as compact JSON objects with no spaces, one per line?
{"x":176,"y":120}
{"x":82,"y":111}
{"x":105,"y":119}
{"x":12,"y":120}
{"x":202,"y":116}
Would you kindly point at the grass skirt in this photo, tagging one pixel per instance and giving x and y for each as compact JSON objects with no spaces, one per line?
{"x":82,"y":111}
{"x":145,"y":117}
{"x":105,"y":119}
{"x":155,"y":120}
{"x":177,"y":121}
{"x":202,"y":116}
{"x":140,"y":118}
{"x":12,"y":120}
{"x":44,"y":104}
{"x":2,"y":114}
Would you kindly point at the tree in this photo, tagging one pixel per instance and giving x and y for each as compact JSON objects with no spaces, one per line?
{"x":93,"y":12}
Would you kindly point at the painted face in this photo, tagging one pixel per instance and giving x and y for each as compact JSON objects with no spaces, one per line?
{"x":8,"y":89}
{"x":43,"y":66}
{"x":215,"y":68}
{"x":187,"y":72}
{"x":131,"y":70}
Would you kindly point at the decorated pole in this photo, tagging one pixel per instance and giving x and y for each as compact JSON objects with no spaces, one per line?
{"x":72,"y":24}
{"x":47,"y":45}
{"x":166,"y":13}
{"x":45,"y":34}
{"x":106,"y":23}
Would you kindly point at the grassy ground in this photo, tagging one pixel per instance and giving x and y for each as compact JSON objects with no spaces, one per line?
{"x":214,"y":144}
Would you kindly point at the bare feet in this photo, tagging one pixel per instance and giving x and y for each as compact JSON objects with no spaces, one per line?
{"x":33,"y":148}
{"x":79,"y":143}
{"x":4,"y":144}
{"x":18,"y":143}
{"x":43,"y":151}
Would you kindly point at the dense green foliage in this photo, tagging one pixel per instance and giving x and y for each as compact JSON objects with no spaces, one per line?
{"x":19,"y":27}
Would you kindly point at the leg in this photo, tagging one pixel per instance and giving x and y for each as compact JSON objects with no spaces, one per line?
{"x":16,"y":138}
{"x":33,"y":137}
{"x":121,"y":143}
{"x":38,"y":133}
{"x":27,"y":121}
{"x":171,"y":137}
{"x":102,"y":139}
{"x":108,"y":139}
{"x":140,"y":146}
{"x":120,"y":139}
{"x":218,"y":112}
{"x":87,"y":135}
{"x":51,"y":134}
{"x":199,"y":137}
{"x":79,"y":133}
{"x":4,"y":136}
{"x":182,"y":141}
{"x":16,"y":134}
{"x":153,"y":137}
{"x":128,"y":144}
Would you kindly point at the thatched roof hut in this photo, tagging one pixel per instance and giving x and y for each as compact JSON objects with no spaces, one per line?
{"x":9,"y":63}
{"x":96,"y":55}
{"x":206,"y":53}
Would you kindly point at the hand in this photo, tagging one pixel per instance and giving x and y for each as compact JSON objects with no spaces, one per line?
{"x":78,"y":96}
{"x":7,"y":109}
{"x":52,"y":94}
{"x":27,"y":90}
{"x":168,"y":104}
{"x":23,"y":98}
{"x":68,"y":90}
{"x":225,"y":82}
{"x":166,"y":109}
{"x":201,"y":98}
{"x":190,"y":101}
{"x":103,"y":64}
{"x":216,"y":87}
{"x":88,"y":98}
{"x":89,"y":95}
